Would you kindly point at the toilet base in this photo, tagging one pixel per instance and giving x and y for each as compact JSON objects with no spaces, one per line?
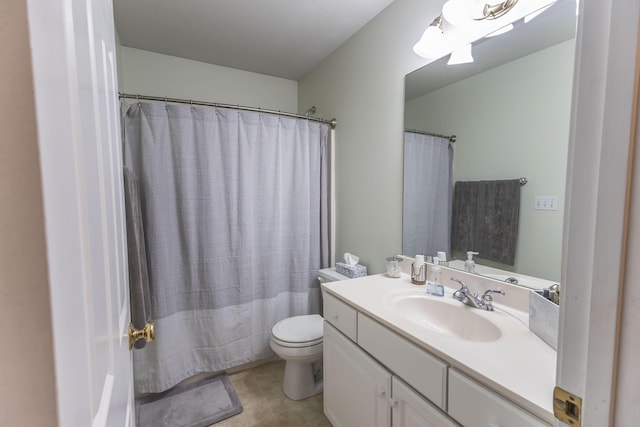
{"x":300,"y":379}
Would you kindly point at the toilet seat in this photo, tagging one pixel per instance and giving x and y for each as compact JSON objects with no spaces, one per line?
{"x":298,"y":331}
{"x":288,"y":344}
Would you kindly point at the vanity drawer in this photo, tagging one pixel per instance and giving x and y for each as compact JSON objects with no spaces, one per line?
{"x":340,"y":315}
{"x":421,"y":370}
{"x":471,"y":405}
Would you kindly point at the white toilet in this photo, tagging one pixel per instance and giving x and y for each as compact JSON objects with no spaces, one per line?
{"x":298,"y":340}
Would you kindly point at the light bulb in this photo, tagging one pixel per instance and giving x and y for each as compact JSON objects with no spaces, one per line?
{"x":430,"y":43}
{"x":459,"y":12}
{"x":461,"y":56}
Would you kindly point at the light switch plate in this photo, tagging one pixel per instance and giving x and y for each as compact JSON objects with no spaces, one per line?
{"x":545,"y":203}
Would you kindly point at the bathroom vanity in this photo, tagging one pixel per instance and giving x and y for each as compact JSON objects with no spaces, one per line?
{"x":394,"y":355}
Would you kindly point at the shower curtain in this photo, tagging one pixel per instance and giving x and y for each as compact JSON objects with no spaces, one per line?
{"x":428,"y":192}
{"x":235,"y":212}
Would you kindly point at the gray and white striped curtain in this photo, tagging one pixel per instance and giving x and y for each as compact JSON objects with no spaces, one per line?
{"x":428,"y":193}
{"x":235,"y":215}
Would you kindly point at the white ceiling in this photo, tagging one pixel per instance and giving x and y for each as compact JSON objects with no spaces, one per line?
{"x":282,"y":38}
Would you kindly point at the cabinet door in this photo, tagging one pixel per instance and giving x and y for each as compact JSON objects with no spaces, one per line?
{"x":471,"y":404}
{"x":412,"y":410}
{"x":421,"y":370}
{"x":356,"y":387}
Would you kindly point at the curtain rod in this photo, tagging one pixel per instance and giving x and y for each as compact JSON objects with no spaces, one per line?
{"x":451,"y":138}
{"x":332,"y":122}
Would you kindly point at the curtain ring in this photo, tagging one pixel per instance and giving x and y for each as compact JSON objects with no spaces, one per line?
{"x":138,"y":99}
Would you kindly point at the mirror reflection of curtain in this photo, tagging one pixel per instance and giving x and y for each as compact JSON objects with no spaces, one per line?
{"x":234,"y":206}
{"x":428,"y":193}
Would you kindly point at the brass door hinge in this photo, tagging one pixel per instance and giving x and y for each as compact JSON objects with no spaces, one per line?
{"x":567,"y":407}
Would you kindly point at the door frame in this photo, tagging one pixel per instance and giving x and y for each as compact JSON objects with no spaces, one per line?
{"x":597,"y":204}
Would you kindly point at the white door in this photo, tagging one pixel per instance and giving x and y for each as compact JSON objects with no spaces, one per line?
{"x":74,"y":63}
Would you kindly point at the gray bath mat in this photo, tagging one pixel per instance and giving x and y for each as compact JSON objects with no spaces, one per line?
{"x":195,"y":405}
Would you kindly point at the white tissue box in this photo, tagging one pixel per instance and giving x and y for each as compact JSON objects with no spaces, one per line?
{"x":352,"y":271}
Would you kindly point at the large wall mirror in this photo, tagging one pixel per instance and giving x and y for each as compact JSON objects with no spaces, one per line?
{"x":510,"y":111}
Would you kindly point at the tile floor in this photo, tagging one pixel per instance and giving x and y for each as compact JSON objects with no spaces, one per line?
{"x":260,"y":392}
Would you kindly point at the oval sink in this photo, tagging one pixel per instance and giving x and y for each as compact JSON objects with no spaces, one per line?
{"x":445,"y":318}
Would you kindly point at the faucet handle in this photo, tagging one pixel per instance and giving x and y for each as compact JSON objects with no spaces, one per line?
{"x":487,"y":294}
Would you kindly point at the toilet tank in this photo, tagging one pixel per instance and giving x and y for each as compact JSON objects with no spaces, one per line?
{"x":330,"y":275}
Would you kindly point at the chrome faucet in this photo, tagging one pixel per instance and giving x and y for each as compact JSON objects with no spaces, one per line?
{"x":484,"y":302}
{"x":464,"y":295}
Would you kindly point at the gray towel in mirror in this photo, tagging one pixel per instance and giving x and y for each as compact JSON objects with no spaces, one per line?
{"x":485,"y":218}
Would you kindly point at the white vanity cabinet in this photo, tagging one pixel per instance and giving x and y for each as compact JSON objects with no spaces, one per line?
{"x":374,"y":376}
{"x":359,"y":392}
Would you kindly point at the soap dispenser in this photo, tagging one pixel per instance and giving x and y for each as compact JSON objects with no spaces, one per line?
{"x":469,"y":264}
{"x":435,"y":271}
{"x":434,"y":287}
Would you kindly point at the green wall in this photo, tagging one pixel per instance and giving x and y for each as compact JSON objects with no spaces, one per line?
{"x":156,"y":74}
{"x":362,"y":85}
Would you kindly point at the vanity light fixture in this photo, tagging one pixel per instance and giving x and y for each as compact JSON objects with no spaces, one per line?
{"x":466,"y":20}
{"x":429,"y":44}
{"x":461,"y":56}
{"x":465,"y":12}
{"x":496,"y":11}
{"x":458,"y":13}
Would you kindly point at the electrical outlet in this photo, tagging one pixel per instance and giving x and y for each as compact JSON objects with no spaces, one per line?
{"x":545,"y":203}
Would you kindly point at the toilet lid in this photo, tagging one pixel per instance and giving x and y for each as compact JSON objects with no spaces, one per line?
{"x":299,"y":329}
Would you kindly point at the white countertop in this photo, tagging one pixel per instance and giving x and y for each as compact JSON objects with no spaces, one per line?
{"x":518,"y":365}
